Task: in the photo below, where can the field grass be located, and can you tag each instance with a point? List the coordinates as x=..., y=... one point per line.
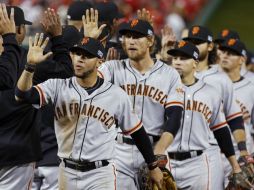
x=236, y=15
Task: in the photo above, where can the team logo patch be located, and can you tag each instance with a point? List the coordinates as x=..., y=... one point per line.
x=134, y=23
x=99, y=53
x=150, y=32
x=224, y=33
x=84, y=40
x=181, y=44
x=195, y=30
x=179, y=90
x=231, y=42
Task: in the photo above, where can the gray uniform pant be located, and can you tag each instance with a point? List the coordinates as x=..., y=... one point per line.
x=17, y=177
x=200, y=172
x=103, y=178
x=45, y=178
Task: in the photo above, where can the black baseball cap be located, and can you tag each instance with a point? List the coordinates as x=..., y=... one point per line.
x=91, y=46
x=234, y=45
x=19, y=16
x=185, y=48
x=226, y=34
x=250, y=58
x=107, y=11
x=77, y=9
x=71, y=35
x=200, y=33
x=138, y=26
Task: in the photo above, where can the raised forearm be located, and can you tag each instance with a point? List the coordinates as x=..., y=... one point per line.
x=25, y=81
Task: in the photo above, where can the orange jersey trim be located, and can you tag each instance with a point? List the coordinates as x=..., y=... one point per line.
x=138, y=126
x=234, y=116
x=42, y=97
x=100, y=74
x=221, y=125
x=174, y=104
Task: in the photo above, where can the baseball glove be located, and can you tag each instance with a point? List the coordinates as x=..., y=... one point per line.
x=145, y=182
x=238, y=181
x=246, y=164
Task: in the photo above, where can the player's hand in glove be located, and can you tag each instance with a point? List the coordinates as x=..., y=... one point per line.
x=246, y=164
x=238, y=181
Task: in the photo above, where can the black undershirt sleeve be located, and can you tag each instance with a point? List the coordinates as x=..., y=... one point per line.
x=144, y=145
x=173, y=119
x=224, y=140
x=236, y=123
x=30, y=96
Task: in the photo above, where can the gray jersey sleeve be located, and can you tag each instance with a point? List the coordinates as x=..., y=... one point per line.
x=231, y=108
x=176, y=92
x=105, y=71
x=47, y=91
x=218, y=119
x=126, y=117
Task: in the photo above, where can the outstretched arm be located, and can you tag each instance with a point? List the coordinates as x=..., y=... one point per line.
x=34, y=56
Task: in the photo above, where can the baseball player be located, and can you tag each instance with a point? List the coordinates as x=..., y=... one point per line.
x=46, y=170
x=250, y=61
x=224, y=35
x=153, y=88
x=232, y=57
x=19, y=142
x=189, y=160
x=9, y=50
x=203, y=39
x=86, y=115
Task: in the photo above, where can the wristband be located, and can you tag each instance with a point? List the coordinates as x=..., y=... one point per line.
x=241, y=146
x=30, y=68
x=153, y=165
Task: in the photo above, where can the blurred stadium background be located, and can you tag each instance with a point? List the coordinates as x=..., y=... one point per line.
x=215, y=14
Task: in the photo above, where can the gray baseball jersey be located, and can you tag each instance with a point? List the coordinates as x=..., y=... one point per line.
x=247, y=74
x=150, y=94
x=203, y=113
x=86, y=124
x=224, y=88
x=244, y=91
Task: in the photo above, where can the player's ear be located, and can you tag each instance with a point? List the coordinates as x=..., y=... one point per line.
x=242, y=60
x=195, y=64
x=99, y=62
x=210, y=46
x=150, y=41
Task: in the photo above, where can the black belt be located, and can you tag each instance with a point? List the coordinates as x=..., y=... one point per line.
x=130, y=141
x=184, y=155
x=84, y=166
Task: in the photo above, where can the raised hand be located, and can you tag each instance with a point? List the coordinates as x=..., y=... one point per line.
x=145, y=15
x=35, y=52
x=90, y=24
x=7, y=24
x=51, y=22
x=168, y=37
x=112, y=54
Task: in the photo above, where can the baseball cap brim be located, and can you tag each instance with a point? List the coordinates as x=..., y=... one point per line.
x=125, y=30
x=27, y=22
x=180, y=52
x=194, y=38
x=82, y=48
x=223, y=47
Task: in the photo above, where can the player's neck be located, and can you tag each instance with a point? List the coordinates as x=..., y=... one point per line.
x=88, y=81
x=143, y=65
x=188, y=79
x=234, y=75
x=203, y=65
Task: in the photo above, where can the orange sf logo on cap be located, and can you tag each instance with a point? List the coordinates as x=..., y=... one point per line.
x=231, y=42
x=85, y=40
x=224, y=33
x=134, y=22
x=195, y=30
x=181, y=44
